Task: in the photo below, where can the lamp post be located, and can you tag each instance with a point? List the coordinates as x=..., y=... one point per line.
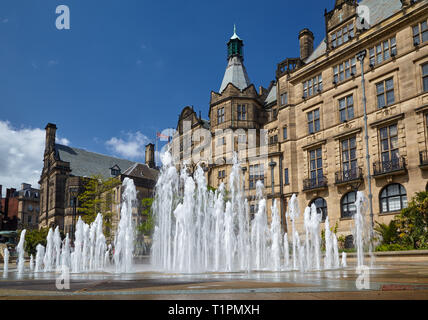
x=361, y=56
x=74, y=192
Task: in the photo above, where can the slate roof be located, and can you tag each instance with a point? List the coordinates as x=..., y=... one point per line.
x=271, y=96
x=84, y=163
x=379, y=10
x=141, y=171
x=235, y=74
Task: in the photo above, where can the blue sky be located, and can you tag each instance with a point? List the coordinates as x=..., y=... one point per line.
x=127, y=68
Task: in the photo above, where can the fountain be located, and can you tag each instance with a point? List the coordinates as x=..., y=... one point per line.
x=31, y=263
x=360, y=230
x=199, y=230
x=124, y=241
x=21, y=251
x=6, y=262
x=39, y=258
x=209, y=231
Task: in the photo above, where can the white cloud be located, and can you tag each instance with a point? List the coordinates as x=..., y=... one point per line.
x=63, y=141
x=21, y=155
x=132, y=147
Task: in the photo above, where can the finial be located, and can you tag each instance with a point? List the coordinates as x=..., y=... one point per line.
x=234, y=28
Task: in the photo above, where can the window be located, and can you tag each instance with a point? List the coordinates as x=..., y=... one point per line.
x=221, y=141
x=389, y=144
x=284, y=133
x=220, y=115
x=312, y=86
x=420, y=33
x=343, y=35
x=349, y=156
x=315, y=164
x=256, y=173
x=242, y=112
x=385, y=93
x=346, y=108
x=115, y=172
x=393, y=198
x=253, y=210
x=348, y=208
x=273, y=139
x=286, y=177
x=345, y=70
x=314, y=121
x=284, y=99
x=242, y=138
x=383, y=51
x=274, y=113
x=321, y=205
x=425, y=77
x=221, y=174
x=29, y=219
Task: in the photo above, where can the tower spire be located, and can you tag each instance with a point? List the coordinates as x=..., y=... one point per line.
x=235, y=71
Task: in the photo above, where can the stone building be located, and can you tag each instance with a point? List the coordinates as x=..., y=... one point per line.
x=313, y=114
x=65, y=171
x=28, y=207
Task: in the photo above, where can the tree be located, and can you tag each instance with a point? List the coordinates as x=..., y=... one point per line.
x=97, y=197
x=412, y=222
x=33, y=238
x=147, y=226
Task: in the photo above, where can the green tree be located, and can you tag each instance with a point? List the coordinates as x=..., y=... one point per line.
x=97, y=197
x=147, y=226
x=412, y=222
x=33, y=238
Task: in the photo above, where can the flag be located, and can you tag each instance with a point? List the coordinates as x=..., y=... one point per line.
x=162, y=137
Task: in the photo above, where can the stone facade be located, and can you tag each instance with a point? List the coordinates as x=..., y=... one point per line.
x=314, y=115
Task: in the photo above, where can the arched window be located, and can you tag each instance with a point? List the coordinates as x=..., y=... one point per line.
x=393, y=198
x=321, y=205
x=347, y=205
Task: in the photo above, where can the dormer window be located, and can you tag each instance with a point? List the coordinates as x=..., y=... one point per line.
x=115, y=171
x=342, y=35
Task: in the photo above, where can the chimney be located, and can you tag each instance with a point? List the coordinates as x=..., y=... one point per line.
x=306, y=38
x=150, y=155
x=25, y=186
x=50, y=137
x=1, y=191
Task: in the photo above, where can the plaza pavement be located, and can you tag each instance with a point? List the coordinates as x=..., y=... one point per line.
x=406, y=280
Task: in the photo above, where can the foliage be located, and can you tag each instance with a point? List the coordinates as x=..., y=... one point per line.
x=211, y=189
x=387, y=232
x=393, y=247
x=341, y=241
x=412, y=222
x=33, y=238
x=147, y=226
x=97, y=197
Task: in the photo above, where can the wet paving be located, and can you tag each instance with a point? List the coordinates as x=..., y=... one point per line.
x=387, y=280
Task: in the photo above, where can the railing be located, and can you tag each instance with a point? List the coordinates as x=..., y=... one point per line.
x=349, y=175
x=382, y=167
x=315, y=183
x=423, y=156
